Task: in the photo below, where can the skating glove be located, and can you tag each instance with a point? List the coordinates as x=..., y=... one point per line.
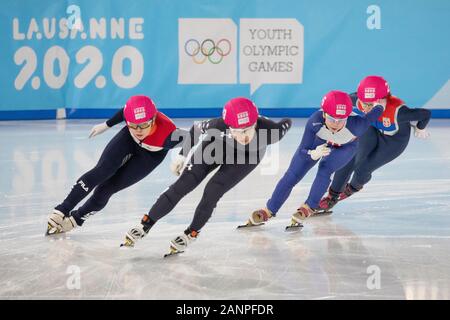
x=98, y=128
x=421, y=133
x=177, y=164
x=319, y=152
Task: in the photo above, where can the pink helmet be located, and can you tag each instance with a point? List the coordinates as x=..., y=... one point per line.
x=337, y=104
x=240, y=113
x=372, y=88
x=139, y=109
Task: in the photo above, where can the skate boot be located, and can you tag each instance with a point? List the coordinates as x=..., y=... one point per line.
x=302, y=213
x=54, y=221
x=59, y=223
x=258, y=218
x=138, y=232
x=328, y=202
x=180, y=243
x=348, y=191
x=298, y=217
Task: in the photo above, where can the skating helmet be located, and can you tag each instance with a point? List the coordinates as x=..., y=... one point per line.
x=240, y=113
x=372, y=88
x=337, y=104
x=139, y=109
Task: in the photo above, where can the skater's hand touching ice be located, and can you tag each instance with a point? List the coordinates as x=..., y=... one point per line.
x=421, y=133
x=98, y=129
x=319, y=152
x=177, y=164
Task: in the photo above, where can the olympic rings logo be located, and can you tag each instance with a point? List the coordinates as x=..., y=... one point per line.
x=207, y=50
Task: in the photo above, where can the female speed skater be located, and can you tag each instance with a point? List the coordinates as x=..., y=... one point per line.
x=330, y=139
x=238, y=142
x=130, y=156
x=384, y=141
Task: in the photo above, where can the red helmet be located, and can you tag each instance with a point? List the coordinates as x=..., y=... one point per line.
x=337, y=104
x=240, y=113
x=139, y=109
x=372, y=88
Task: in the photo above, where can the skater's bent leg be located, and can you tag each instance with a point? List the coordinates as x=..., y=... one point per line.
x=96, y=202
x=386, y=151
x=187, y=182
x=136, y=169
x=366, y=144
x=300, y=165
x=337, y=159
x=342, y=176
x=117, y=152
x=223, y=180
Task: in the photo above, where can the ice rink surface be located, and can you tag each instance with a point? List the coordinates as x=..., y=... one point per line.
x=390, y=241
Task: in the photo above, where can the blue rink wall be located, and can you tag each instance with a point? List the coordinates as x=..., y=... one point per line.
x=83, y=59
x=173, y=113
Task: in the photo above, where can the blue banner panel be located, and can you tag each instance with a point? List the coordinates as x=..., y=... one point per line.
x=194, y=56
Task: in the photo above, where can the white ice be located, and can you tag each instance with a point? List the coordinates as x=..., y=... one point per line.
x=390, y=241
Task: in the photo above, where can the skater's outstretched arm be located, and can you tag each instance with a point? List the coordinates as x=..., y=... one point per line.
x=275, y=130
x=102, y=127
x=406, y=114
x=116, y=118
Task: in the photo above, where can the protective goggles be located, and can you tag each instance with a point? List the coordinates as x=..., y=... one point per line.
x=143, y=125
x=334, y=120
x=242, y=131
x=367, y=104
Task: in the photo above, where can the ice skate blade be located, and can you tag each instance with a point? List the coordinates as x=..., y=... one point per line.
x=51, y=230
x=127, y=244
x=249, y=225
x=124, y=245
x=173, y=252
x=322, y=213
x=294, y=227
